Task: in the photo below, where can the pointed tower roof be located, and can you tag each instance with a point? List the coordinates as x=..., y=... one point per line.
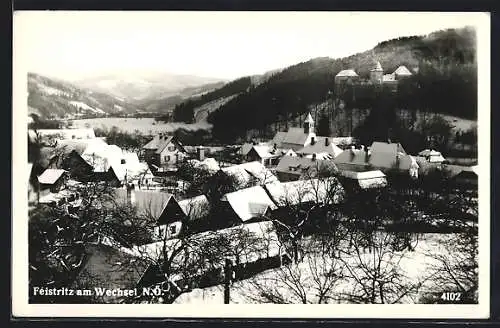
x=377, y=67
x=309, y=119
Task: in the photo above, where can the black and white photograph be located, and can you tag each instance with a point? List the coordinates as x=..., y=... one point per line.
x=205, y=163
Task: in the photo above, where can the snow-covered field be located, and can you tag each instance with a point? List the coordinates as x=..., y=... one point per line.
x=145, y=125
x=415, y=266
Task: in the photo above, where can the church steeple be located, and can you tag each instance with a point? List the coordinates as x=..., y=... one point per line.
x=309, y=124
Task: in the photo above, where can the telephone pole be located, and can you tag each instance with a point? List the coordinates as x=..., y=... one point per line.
x=228, y=275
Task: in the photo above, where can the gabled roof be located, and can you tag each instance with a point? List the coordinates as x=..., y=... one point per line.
x=387, y=148
x=150, y=203
x=402, y=70
x=278, y=138
x=380, y=155
x=246, y=172
x=346, y=72
x=320, y=147
x=367, y=179
x=160, y=141
x=266, y=151
x=50, y=176
x=296, y=136
x=250, y=202
x=195, y=207
x=302, y=165
x=328, y=190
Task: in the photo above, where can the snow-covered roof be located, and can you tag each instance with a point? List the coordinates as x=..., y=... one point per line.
x=367, y=179
x=278, y=138
x=432, y=156
x=380, y=155
x=246, y=172
x=303, y=165
x=402, y=70
x=195, y=207
x=250, y=202
x=326, y=190
x=321, y=145
x=346, y=72
x=388, y=77
x=150, y=203
x=208, y=163
x=50, y=176
x=266, y=151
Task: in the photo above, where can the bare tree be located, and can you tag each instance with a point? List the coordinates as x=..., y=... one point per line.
x=376, y=275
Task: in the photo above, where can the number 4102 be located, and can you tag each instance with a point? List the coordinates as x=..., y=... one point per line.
x=450, y=296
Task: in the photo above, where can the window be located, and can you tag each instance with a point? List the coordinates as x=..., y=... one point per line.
x=166, y=158
x=173, y=229
x=122, y=161
x=171, y=148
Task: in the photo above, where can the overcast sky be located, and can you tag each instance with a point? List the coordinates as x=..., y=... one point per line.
x=226, y=45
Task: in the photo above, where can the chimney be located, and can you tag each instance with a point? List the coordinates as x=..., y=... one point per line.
x=327, y=141
x=200, y=152
x=313, y=141
x=130, y=194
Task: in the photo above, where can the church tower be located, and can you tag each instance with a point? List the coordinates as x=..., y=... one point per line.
x=309, y=124
x=376, y=73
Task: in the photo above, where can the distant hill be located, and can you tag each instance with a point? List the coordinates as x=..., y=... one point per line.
x=53, y=98
x=144, y=85
x=444, y=81
x=166, y=104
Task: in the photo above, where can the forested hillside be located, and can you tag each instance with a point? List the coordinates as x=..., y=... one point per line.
x=51, y=98
x=444, y=81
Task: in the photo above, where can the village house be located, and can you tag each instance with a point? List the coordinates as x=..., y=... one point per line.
x=164, y=151
x=248, y=174
x=247, y=205
x=296, y=138
x=52, y=179
x=159, y=207
x=306, y=192
x=291, y=168
x=355, y=181
x=387, y=157
x=321, y=146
